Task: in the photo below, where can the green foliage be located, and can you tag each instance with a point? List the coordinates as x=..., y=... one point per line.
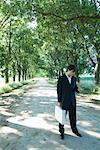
x=66, y=32
x=41, y=73
x=16, y=85
x=18, y=49
x=69, y=32
x=24, y=82
x=89, y=88
x=8, y=88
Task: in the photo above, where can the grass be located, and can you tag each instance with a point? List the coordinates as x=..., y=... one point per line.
x=6, y=89
x=89, y=88
x=12, y=86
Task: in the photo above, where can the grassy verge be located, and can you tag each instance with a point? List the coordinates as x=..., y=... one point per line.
x=52, y=81
x=87, y=88
x=13, y=86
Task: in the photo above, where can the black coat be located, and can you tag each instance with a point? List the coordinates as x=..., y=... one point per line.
x=66, y=91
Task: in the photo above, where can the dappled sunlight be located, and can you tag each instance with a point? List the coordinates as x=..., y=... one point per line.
x=41, y=121
x=87, y=105
x=5, y=113
x=31, y=148
x=29, y=122
x=8, y=105
x=84, y=123
x=45, y=103
x=93, y=133
x=32, y=122
x=44, y=92
x=8, y=130
x=47, y=117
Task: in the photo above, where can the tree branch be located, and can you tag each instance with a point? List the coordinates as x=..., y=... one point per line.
x=86, y=48
x=83, y=17
x=3, y=21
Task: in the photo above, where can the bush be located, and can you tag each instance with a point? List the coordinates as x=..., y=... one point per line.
x=24, y=82
x=6, y=89
x=14, y=85
x=19, y=84
x=87, y=88
x=2, y=91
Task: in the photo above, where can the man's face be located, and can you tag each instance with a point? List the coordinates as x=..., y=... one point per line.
x=71, y=72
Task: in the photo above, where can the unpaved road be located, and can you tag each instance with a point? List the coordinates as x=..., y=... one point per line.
x=27, y=122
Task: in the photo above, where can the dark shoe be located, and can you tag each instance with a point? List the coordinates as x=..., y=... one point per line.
x=61, y=128
x=77, y=133
x=62, y=136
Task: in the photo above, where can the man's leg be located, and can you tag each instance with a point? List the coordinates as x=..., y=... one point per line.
x=61, y=130
x=72, y=117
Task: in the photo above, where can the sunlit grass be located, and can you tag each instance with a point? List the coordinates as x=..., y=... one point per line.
x=12, y=86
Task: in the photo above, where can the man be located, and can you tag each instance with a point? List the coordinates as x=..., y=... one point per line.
x=66, y=88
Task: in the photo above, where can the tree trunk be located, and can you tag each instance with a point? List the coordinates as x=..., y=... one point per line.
x=29, y=76
x=97, y=72
x=6, y=74
x=8, y=59
x=14, y=78
x=25, y=74
x=77, y=75
x=14, y=72
x=19, y=73
x=62, y=72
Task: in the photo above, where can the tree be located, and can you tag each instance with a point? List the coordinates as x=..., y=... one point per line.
x=17, y=40
x=68, y=17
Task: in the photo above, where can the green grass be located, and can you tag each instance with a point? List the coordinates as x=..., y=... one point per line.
x=6, y=89
x=89, y=88
x=12, y=86
x=16, y=85
x=87, y=85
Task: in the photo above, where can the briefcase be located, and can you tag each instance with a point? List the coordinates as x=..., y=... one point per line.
x=60, y=114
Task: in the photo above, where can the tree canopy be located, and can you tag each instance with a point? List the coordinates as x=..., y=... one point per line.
x=66, y=31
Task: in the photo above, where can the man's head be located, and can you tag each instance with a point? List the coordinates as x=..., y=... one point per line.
x=71, y=70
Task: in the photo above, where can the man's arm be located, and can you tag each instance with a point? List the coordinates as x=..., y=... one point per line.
x=76, y=87
x=59, y=90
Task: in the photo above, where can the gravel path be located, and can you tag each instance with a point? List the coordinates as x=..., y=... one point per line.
x=27, y=122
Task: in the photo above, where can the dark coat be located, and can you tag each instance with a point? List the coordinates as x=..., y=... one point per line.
x=66, y=91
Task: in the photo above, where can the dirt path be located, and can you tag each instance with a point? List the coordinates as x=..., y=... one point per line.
x=27, y=122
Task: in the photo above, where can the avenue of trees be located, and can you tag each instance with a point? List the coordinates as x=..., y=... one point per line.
x=66, y=31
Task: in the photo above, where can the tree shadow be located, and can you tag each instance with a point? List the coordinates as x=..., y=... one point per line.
x=15, y=136
x=33, y=124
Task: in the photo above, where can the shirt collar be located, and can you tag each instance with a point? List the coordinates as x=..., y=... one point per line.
x=68, y=76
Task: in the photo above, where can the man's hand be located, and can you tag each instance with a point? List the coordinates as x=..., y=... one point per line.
x=78, y=90
x=59, y=104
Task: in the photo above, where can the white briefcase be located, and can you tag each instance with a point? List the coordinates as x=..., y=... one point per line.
x=60, y=114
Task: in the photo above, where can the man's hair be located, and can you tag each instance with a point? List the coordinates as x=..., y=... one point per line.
x=71, y=67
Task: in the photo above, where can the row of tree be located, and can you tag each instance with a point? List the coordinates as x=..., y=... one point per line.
x=70, y=31
x=67, y=32
x=18, y=48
